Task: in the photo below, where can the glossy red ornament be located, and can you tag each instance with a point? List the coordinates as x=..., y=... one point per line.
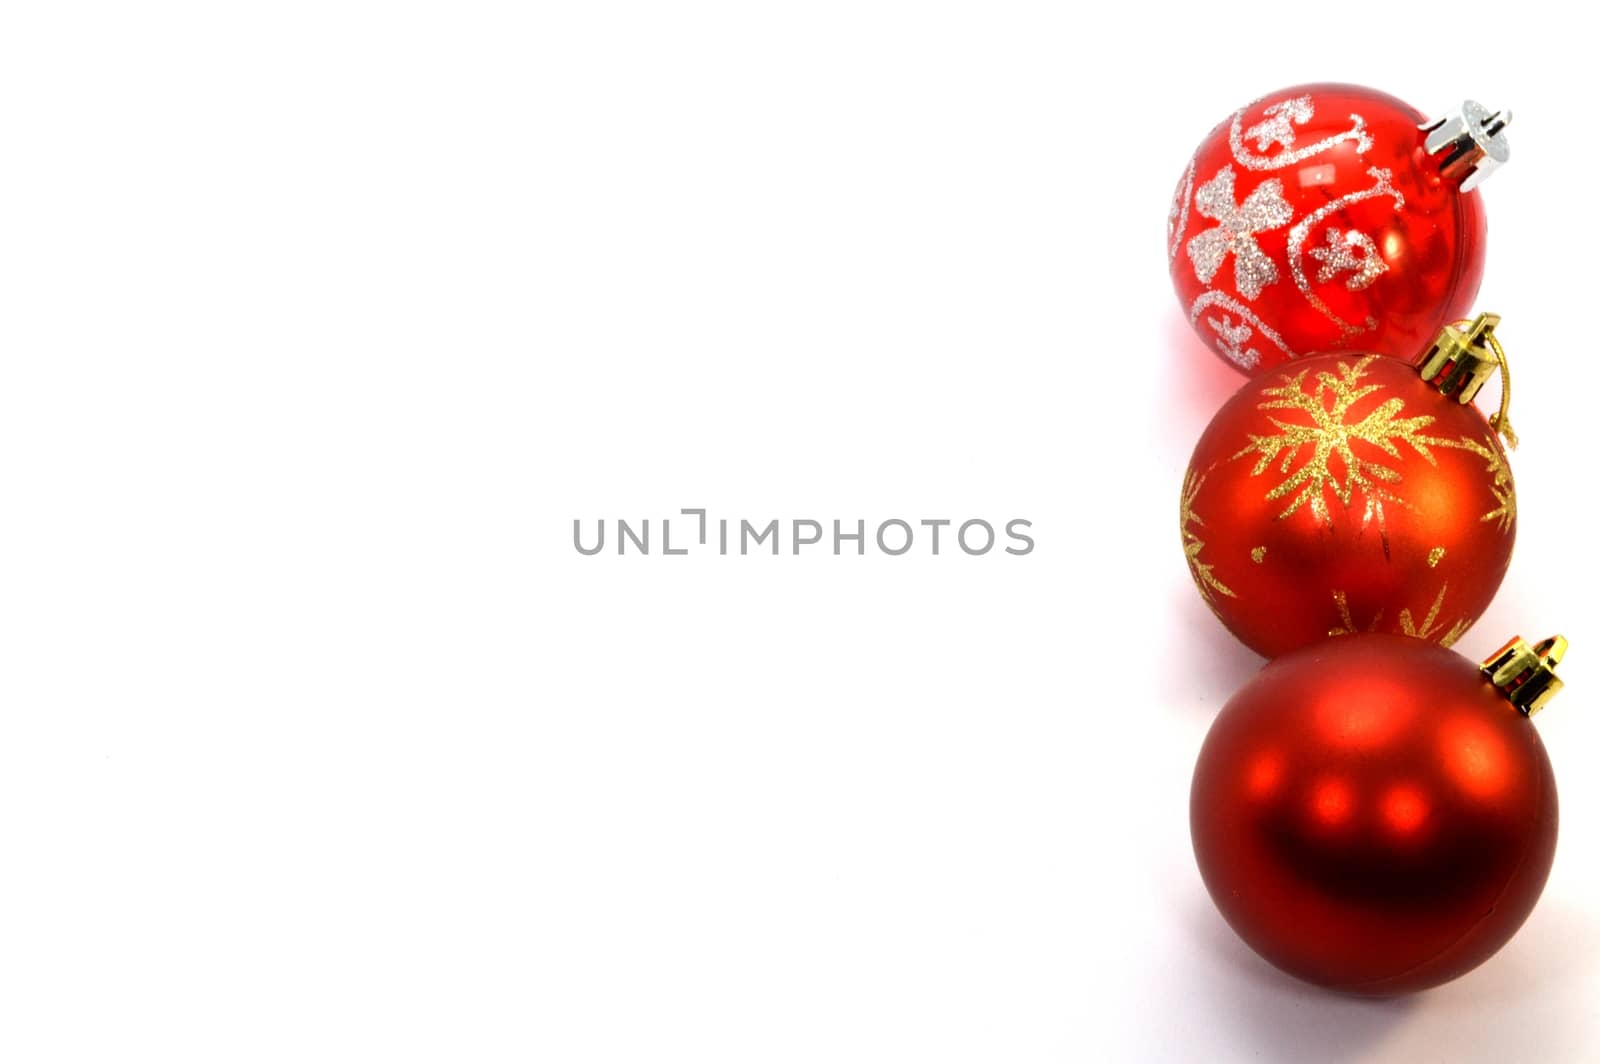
x=1317, y=219
x=1344, y=494
x=1371, y=814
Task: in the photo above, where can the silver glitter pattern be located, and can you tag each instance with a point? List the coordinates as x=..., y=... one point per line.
x=1297, y=240
x=1262, y=210
x=1349, y=252
x=1233, y=344
x=1178, y=213
x=1278, y=128
x=1232, y=337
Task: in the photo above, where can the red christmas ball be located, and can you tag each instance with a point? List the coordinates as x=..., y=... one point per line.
x=1371, y=814
x=1323, y=218
x=1347, y=495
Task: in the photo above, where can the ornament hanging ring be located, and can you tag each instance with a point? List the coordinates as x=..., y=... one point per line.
x=1502, y=420
x=1479, y=332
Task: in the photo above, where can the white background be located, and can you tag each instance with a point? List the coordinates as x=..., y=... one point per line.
x=323, y=321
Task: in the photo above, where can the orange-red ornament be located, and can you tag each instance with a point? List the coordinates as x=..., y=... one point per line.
x=1331, y=218
x=1377, y=815
x=1350, y=493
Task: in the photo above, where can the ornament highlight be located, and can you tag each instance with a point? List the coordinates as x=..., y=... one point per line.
x=1376, y=814
x=1353, y=493
x=1328, y=218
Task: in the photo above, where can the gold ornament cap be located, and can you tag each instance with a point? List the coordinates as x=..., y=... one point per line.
x=1525, y=674
x=1461, y=360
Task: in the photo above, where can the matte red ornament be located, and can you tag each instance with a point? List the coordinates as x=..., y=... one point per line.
x=1326, y=218
x=1373, y=815
x=1346, y=494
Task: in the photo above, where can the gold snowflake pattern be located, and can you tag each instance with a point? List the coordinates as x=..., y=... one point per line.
x=1326, y=403
x=1500, y=485
x=1429, y=627
x=1204, y=578
x=1329, y=435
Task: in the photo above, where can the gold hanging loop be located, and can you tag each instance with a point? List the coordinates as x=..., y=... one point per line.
x=1466, y=354
x=1502, y=420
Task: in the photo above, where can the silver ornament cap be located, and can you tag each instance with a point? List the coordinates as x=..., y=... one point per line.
x=1470, y=143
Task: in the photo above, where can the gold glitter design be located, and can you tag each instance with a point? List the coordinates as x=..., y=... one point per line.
x=1501, y=487
x=1329, y=435
x=1408, y=625
x=1434, y=557
x=1426, y=629
x=1347, y=624
x=1326, y=404
x=1258, y=555
x=1208, y=584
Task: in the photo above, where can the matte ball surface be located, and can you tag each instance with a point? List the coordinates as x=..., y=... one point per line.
x=1314, y=220
x=1372, y=816
x=1345, y=494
